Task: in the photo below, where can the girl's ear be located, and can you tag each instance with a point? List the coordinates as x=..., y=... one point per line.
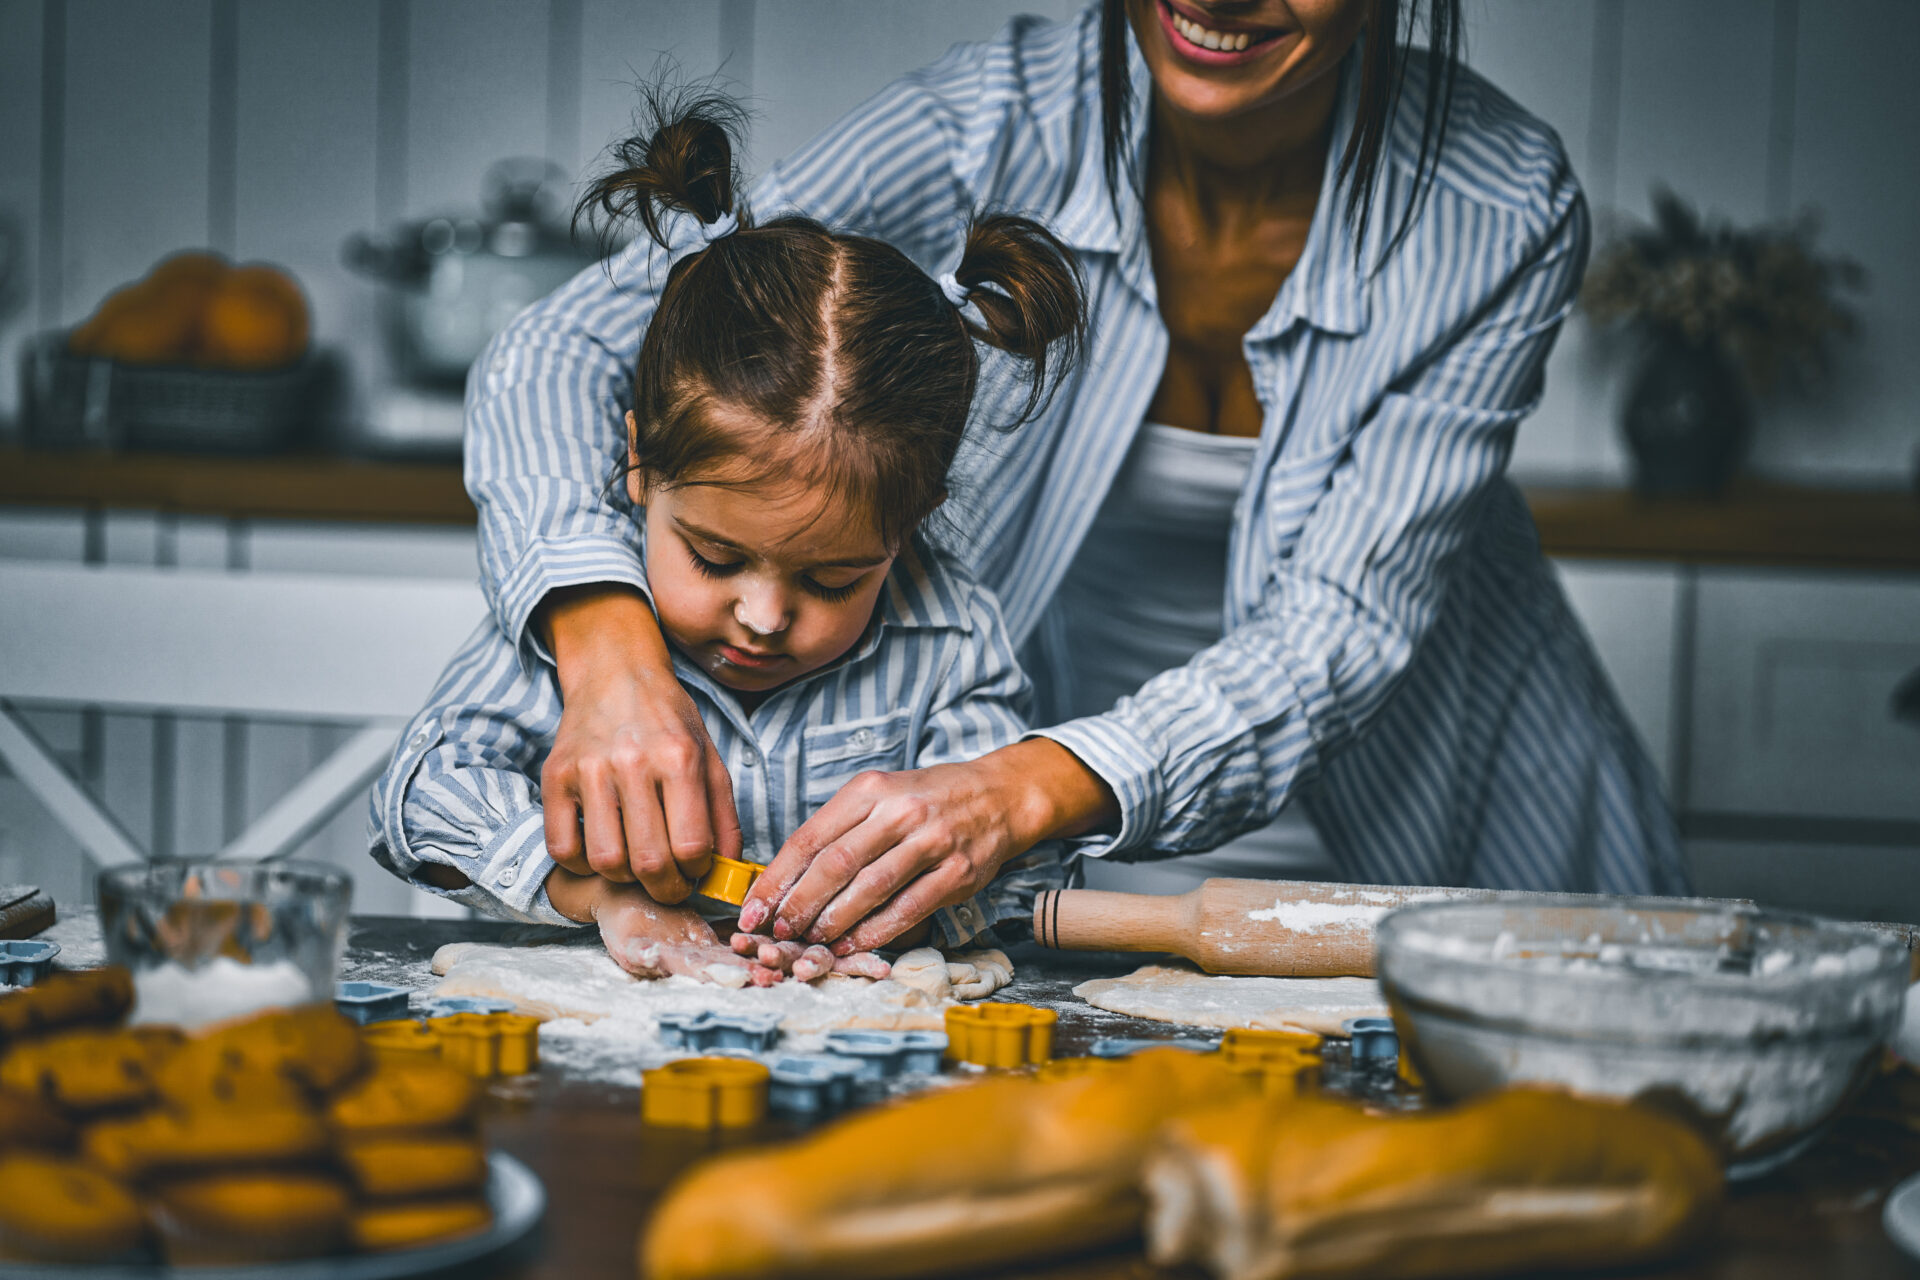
x=636, y=484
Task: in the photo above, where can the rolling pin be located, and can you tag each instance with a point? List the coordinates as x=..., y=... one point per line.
x=1278, y=928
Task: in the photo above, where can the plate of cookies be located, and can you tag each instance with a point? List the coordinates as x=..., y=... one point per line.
x=280, y=1146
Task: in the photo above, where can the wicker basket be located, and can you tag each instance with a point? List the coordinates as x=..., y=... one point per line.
x=80, y=401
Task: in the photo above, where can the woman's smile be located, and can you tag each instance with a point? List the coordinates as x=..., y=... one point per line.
x=1212, y=41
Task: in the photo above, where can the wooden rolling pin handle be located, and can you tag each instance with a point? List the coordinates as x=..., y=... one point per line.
x=1090, y=920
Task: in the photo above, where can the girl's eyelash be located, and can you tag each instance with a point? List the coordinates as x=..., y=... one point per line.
x=711, y=568
x=832, y=595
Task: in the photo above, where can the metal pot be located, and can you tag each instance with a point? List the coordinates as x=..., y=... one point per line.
x=455, y=281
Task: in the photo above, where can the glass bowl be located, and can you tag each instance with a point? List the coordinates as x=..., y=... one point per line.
x=1759, y=1024
x=208, y=941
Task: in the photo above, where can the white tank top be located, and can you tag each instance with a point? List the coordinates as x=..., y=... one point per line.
x=1147, y=592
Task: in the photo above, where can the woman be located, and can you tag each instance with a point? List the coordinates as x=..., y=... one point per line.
x=1291, y=230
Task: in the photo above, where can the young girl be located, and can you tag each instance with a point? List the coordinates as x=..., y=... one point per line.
x=798, y=399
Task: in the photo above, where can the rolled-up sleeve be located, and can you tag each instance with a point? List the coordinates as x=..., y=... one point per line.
x=1209, y=750
x=460, y=791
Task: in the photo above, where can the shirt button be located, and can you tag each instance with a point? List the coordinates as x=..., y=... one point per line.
x=748, y=762
x=863, y=738
x=419, y=739
x=506, y=878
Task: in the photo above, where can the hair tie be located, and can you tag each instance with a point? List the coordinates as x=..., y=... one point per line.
x=724, y=225
x=951, y=286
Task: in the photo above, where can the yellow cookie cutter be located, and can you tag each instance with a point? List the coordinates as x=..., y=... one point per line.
x=1000, y=1035
x=401, y=1041
x=485, y=1045
x=1287, y=1063
x=704, y=1093
x=729, y=880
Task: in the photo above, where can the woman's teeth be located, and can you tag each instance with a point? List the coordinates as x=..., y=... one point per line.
x=1225, y=41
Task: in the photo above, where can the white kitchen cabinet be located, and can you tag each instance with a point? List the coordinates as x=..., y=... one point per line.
x=1793, y=679
x=1852, y=881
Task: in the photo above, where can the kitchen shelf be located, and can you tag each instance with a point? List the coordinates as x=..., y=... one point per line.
x=1758, y=524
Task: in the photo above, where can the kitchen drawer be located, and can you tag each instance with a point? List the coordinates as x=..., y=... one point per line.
x=1854, y=882
x=1794, y=676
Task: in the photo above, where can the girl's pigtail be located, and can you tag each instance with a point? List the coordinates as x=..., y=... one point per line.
x=679, y=158
x=1026, y=287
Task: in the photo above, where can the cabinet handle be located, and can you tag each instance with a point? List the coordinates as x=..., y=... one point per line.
x=1906, y=699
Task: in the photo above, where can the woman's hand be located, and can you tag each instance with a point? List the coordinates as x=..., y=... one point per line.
x=891, y=848
x=646, y=938
x=633, y=788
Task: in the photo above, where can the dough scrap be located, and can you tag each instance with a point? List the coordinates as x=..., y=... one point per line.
x=1168, y=993
x=975, y=975
x=925, y=970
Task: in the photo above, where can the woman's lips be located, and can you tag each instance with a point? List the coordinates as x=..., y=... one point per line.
x=1191, y=38
x=749, y=661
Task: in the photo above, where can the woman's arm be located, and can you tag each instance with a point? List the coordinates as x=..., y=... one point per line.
x=964, y=839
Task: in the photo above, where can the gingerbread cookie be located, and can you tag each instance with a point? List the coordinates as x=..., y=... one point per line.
x=193, y=1140
x=86, y=1071
x=402, y=1096
x=207, y=1073
x=66, y=999
x=233, y=1218
x=410, y=1166
x=55, y=1209
x=420, y=1222
x=31, y=1122
x=314, y=1044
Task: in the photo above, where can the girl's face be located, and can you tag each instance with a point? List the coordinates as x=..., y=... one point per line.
x=759, y=585
x=1267, y=49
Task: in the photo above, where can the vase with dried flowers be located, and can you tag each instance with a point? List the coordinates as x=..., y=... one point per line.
x=1715, y=316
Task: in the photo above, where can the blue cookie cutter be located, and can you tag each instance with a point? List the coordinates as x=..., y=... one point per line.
x=1374, y=1040
x=707, y=1030
x=447, y=1006
x=1125, y=1046
x=366, y=1002
x=23, y=963
x=881, y=1055
x=810, y=1084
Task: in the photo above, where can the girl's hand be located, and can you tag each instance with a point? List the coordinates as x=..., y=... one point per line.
x=644, y=937
x=891, y=848
x=773, y=961
x=633, y=789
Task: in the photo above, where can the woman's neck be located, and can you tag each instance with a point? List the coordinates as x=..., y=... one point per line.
x=1245, y=168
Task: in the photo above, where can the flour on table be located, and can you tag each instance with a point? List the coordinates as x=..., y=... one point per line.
x=1168, y=994
x=603, y=1023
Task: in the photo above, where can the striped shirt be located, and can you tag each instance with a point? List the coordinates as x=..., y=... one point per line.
x=934, y=679
x=1396, y=654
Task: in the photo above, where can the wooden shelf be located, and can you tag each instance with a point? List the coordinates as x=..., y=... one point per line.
x=1758, y=524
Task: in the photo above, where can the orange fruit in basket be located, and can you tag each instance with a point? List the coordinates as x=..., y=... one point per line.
x=256, y=319
x=155, y=320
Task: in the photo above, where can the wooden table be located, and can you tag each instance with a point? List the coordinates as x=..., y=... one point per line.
x=1819, y=1218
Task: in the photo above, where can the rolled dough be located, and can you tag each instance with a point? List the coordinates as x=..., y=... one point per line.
x=1167, y=993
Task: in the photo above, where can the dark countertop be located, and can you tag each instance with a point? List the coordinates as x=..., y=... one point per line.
x=1757, y=524
x=1818, y=1218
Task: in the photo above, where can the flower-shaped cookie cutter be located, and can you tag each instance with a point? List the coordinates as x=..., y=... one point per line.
x=707, y=1030
x=881, y=1055
x=1000, y=1035
x=810, y=1084
x=366, y=1002
x=705, y=1093
x=485, y=1045
x=729, y=880
x=1127, y=1046
x=24, y=961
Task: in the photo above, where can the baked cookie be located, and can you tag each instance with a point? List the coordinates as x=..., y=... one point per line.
x=206, y=1073
x=185, y=1141
x=421, y=1222
x=402, y=1096
x=231, y=1218
x=31, y=1122
x=65, y=999
x=415, y=1165
x=56, y=1209
x=86, y=1071
x=314, y=1044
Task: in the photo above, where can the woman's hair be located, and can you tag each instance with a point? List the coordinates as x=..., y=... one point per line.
x=785, y=350
x=1383, y=69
